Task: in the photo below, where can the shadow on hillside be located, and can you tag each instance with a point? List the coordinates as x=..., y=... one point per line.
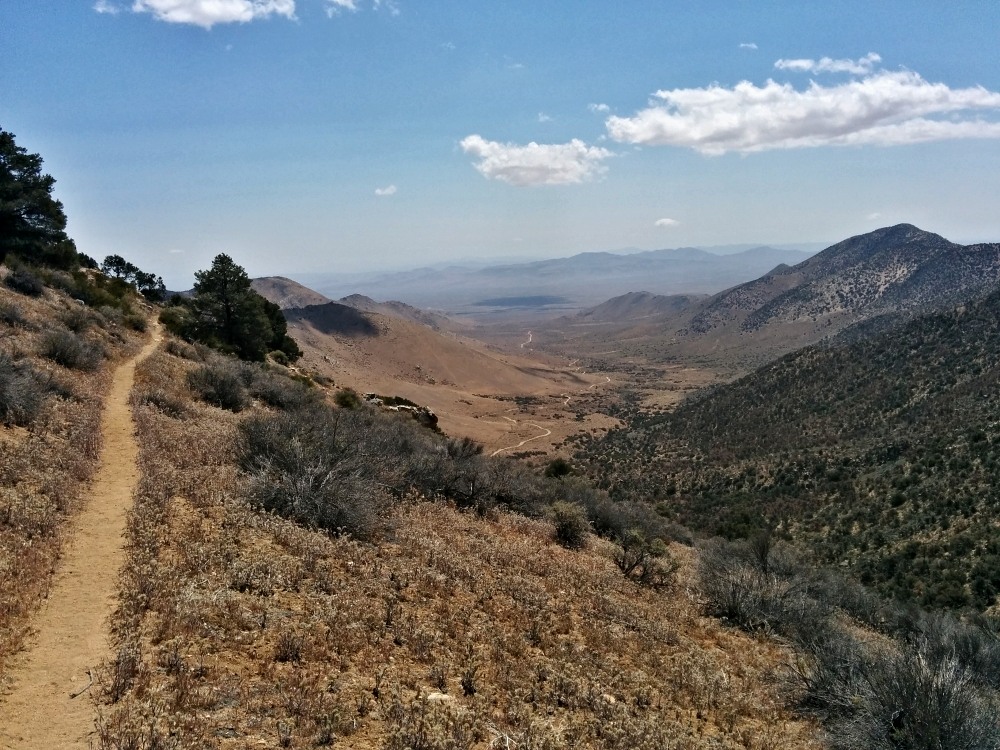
x=334, y=318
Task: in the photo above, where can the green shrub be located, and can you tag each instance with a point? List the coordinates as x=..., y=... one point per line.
x=347, y=398
x=571, y=525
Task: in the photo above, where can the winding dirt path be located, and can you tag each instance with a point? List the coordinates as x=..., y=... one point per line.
x=41, y=712
x=545, y=433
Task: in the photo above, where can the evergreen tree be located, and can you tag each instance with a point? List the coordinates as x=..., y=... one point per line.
x=32, y=222
x=231, y=316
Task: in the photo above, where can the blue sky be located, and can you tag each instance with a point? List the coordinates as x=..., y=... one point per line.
x=348, y=135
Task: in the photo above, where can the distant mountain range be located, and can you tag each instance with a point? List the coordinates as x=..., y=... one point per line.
x=870, y=282
x=582, y=280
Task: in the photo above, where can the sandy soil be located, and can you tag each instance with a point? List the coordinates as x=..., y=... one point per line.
x=49, y=705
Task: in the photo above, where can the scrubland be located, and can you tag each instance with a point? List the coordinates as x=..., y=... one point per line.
x=450, y=629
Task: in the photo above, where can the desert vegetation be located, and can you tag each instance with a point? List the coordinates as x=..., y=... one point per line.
x=879, y=454
x=460, y=624
x=879, y=674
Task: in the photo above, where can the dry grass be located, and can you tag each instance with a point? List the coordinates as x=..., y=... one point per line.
x=237, y=629
x=47, y=451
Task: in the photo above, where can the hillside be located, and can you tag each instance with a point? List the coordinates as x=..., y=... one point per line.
x=302, y=574
x=882, y=455
x=402, y=310
x=637, y=305
x=286, y=293
x=238, y=627
x=496, y=397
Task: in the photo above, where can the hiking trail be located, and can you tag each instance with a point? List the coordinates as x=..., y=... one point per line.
x=49, y=703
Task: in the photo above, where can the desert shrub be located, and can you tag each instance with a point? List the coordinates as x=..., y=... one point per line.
x=77, y=318
x=221, y=384
x=558, y=467
x=571, y=525
x=178, y=319
x=645, y=561
x=136, y=321
x=12, y=315
x=304, y=465
x=167, y=403
x=281, y=392
x=905, y=701
x=70, y=350
x=24, y=281
x=279, y=358
x=347, y=398
x=182, y=350
x=22, y=392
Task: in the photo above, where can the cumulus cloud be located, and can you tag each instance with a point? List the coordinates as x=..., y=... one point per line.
x=885, y=109
x=748, y=45
x=599, y=108
x=666, y=222
x=542, y=117
x=105, y=6
x=207, y=13
x=389, y=190
x=535, y=163
x=827, y=65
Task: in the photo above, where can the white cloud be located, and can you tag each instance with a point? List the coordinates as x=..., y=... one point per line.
x=827, y=65
x=886, y=108
x=536, y=164
x=334, y=7
x=390, y=5
x=207, y=13
x=105, y=6
x=599, y=108
x=389, y=190
x=748, y=45
x=666, y=222
x=542, y=117
x=874, y=215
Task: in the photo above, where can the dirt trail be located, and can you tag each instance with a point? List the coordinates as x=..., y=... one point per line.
x=71, y=634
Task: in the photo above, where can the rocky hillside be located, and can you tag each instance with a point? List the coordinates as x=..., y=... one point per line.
x=900, y=268
x=882, y=456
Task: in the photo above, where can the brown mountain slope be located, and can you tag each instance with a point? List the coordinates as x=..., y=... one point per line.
x=470, y=386
x=402, y=310
x=286, y=293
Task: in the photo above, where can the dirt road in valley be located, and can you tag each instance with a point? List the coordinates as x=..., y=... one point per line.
x=47, y=704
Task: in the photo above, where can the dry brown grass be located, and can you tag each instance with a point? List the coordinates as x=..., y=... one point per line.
x=46, y=461
x=238, y=629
